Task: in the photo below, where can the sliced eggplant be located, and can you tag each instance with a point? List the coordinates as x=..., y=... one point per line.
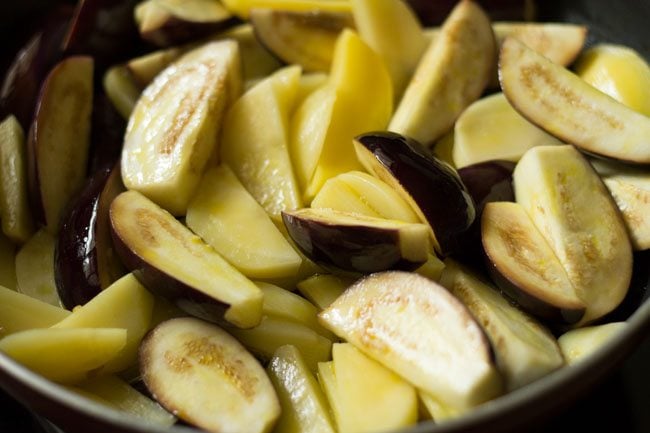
x=491, y=129
x=488, y=181
x=174, y=127
x=19, y=92
x=15, y=213
x=170, y=22
x=59, y=139
x=525, y=351
x=432, y=188
x=199, y=372
x=416, y=328
x=576, y=215
x=357, y=243
x=567, y=107
x=453, y=72
x=175, y=263
x=631, y=190
x=85, y=261
x=524, y=265
x=302, y=38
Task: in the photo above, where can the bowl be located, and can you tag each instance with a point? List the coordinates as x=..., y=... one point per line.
x=616, y=22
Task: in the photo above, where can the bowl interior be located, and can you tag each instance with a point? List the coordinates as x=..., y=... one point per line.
x=615, y=22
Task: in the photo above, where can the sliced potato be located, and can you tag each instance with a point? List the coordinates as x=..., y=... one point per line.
x=35, y=268
x=64, y=355
x=20, y=312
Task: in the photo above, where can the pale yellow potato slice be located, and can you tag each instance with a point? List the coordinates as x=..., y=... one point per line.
x=401, y=50
x=242, y=8
x=64, y=355
x=255, y=141
x=328, y=120
x=491, y=129
x=436, y=410
x=578, y=344
x=371, y=397
x=227, y=217
x=274, y=332
x=304, y=407
x=567, y=107
x=20, y=312
x=121, y=89
x=124, y=304
x=576, y=215
x=114, y=392
x=452, y=74
x=15, y=213
x=35, y=268
x=361, y=193
x=618, y=71
x=174, y=127
x=323, y=289
x=283, y=304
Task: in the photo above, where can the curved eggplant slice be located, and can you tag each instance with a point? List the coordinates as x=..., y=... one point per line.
x=173, y=262
x=525, y=351
x=303, y=38
x=567, y=107
x=576, y=215
x=205, y=376
x=523, y=264
x=416, y=328
x=430, y=186
x=355, y=242
x=84, y=258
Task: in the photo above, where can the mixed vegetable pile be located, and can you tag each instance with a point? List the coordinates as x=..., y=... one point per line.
x=315, y=215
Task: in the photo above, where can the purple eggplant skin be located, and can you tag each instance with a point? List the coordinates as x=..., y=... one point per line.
x=21, y=83
x=105, y=30
x=355, y=249
x=84, y=259
x=432, y=184
x=489, y=181
x=555, y=318
x=185, y=297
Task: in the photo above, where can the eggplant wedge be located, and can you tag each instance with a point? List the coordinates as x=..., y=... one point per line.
x=173, y=262
x=576, y=215
x=567, y=107
x=432, y=188
x=357, y=243
x=416, y=328
x=524, y=265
